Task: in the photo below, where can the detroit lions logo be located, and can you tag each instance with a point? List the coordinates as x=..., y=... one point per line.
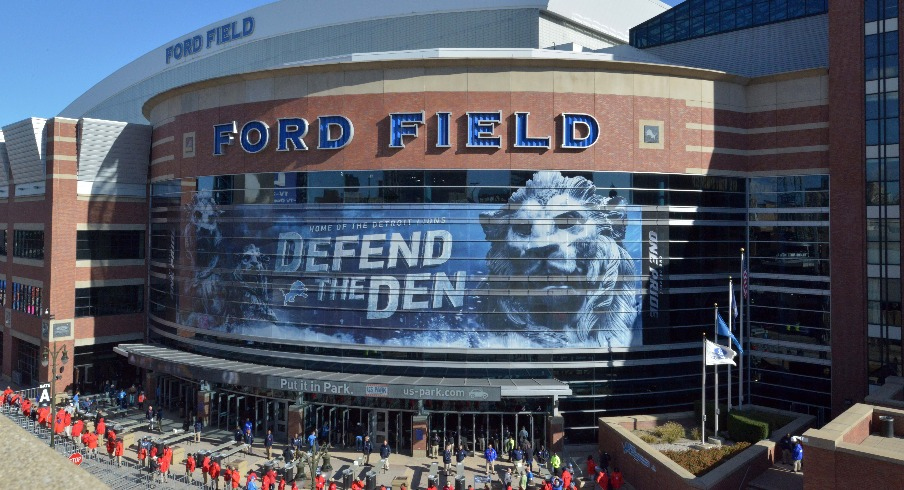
x=295, y=290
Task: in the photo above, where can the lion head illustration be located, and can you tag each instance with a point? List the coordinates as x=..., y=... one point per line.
x=558, y=270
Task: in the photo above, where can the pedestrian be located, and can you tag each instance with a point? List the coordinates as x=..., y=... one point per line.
x=159, y=415
x=268, y=443
x=447, y=459
x=557, y=483
x=227, y=476
x=555, y=462
x=198, y=426
x=507, y=478
x=205, y=468
x=236, y=478
x=785, y=444
x=522, y=481
x=566, y=478
x=119, y=451
x=490, y=455
x=605, y=459
x=249, y=442
x=367, y=448
x=142, y=455
x=190, y=467
x=591, y=467
x=509, y=447
x=460, y=455
x=385, y=451
x=798, y=455
x=239, y=434
x=542, y=456
x=149, y=415
x=100, y=427
x=248, y=425
x=616, y=480
x=215, y=474
x=164, y=468
x=312, y=441
x=141, y=399
x=528, y=449
x=518, y=458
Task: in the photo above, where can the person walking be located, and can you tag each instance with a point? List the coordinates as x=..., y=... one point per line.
x=159, y=415
x=141, y=399
x=249, y=442
x=460, y=455
x=268, y=443
x=190, y=467
x=617, y=480
x=797, y=453
x=490, y=455
x=198, y=427
x=385, y=451
x=367, y=447
x=215, y=475
x=149, y=415
x=785, y=444
x=142, y=455
x=447, y=459
x=119, y=451
x=312, y=441
x=555, y=463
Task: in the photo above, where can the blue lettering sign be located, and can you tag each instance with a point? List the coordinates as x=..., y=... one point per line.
x=263, y=136
x=570, y=137
x=291, y=129
x=219, y=35
x=342, y=124
x=223, y=135
x=442, y=129
x=522, y=140
x=403, y=124
x=480, y=129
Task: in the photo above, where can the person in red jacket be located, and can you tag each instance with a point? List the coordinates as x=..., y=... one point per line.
x=205, y=468
x=142, y=455
x=101, y=427
x=332, y=485
x=294, y=486
x=320, y=481
x=358, y=484
x=215, y=475
x=271, y=477
x=153, y=453
x=617, y=479
x=251, y=477
x=282, y=484
x=236, y=478
x=26, y=407
x=227, y=476
x=67, y=424
x=566, y=478
x=119, y=450
x=111, y=447
x=190, y=467
x=92, y=444
x=591, y=467
x=164, y=468
x=77, y=429
x=602, y=479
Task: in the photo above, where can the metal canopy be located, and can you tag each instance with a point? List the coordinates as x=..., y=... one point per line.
x=197, y=366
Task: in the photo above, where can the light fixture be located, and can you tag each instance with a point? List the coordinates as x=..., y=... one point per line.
x=65, y=357
x=45, y=358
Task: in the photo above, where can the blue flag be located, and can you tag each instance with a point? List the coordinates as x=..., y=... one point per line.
x=723, y=330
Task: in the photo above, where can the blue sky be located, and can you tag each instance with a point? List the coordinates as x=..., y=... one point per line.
x=54, y=51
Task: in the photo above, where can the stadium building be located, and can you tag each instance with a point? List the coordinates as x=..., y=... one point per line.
x=471, y=220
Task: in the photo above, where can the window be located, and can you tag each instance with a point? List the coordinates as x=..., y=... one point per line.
x=3, y=244
x=27, y=299
x=29, y=244
x=2, y=293
x=109, y=300
x=109, y=244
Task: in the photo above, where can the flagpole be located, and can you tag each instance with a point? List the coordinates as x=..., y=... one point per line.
x=730, y=315
x=716, y=369
x=741, y=337
x=703, y=394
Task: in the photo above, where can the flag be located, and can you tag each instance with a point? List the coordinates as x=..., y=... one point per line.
x=744, y=278
x=732, y=302
x=715, y=354
x=723, y=330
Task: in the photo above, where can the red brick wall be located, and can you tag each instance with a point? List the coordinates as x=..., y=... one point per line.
x=617, y=148
x=847, y=205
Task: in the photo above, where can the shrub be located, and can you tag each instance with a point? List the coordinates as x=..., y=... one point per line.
x=648, y=438
x=670, y=432
x=700, y=462
x=742, y=427
x=695, y=434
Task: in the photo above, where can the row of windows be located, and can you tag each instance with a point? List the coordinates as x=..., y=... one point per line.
x=29, y=244
x=109, y=244
x=473, y=186
x=698, y=18
x=109, y=300
x=880, y=9
x=26, y=299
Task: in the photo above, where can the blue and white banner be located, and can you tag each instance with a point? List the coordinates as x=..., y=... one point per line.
x=715, y=354
x=557, y=265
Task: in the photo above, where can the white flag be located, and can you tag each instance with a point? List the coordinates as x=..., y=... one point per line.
x=715, y=354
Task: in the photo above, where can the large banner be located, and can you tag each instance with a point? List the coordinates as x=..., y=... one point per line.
x=558, y=265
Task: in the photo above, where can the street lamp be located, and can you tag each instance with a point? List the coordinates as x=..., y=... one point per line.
x=50, y=357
